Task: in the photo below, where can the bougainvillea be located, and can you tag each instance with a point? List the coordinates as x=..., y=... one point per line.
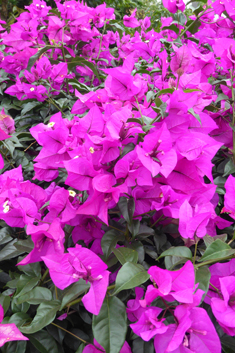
x=117, y=187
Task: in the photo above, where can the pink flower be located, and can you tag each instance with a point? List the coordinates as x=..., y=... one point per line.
x=9, y=332
x=172, y=285
x=174, y=5
x=80, y=263
x=194, y=332
x=131, y=21
x=149, y=325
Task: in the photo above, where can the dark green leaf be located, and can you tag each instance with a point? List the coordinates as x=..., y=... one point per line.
x=202, y=277
x=127, y=208
x=5, y=236
x=26, y=245
x=33, y=269
x=221, y=97
x=43, y=342
x=25, y=284
x=165, y=91
x=141, y=346
x=109, y=241
x=80, y=61
x=81, y=87
x=5, y=301
x=74, y=291
x=126, y=255
x=18, y=319
x=46, y=313
x=14, y=347
x=179, y=251
x=172, y=27
x=217, y=251
x=208, y=240
x=110, y=326
x=229, y=168
x=29, y=106
x=130, y=276
x=10, y=251
x=37, y=295
x=36, y=56
x=134, y=227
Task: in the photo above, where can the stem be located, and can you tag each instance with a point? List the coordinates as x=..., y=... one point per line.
x=167, y=306
x=197, y=19
x=72, y=334
x=217, y=290
x=139, y=110
x=101, y=40
x=64, y=58
x=44, y=276
x=56, y=293
x=195, y=253
x=76, y=301
x=158, y=220
x=96, y=220
x=30, y=146
x=209, y=262
x=55, y=105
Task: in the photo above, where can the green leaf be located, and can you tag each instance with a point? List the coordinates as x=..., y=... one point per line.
x=165, y=91
x=129, y=276
x=150, y=96
x=14, y=347
x=221, y=97
x=197, y=116
x=179, y=251
x=5, y=236
x=134, y=227
x=217, y=251
x=33, y=269
x=74, y=291
x=172, y=27
x=43, y=342
x=25, y=245
x=126, y=255
x=127, y=208
x=46, y=313
x=36, y=56
x=203, y=277
x=190, y=90
x=5, y=301
x=25, y=284
x=110, y=326
x=10, y=251
x=141, y=346
x=36, y=296
x=81, y=87
x=29, y=106
x=80, y=61
x=18, y=319
x=109, y=241
x=229, y=168
x=208, y=240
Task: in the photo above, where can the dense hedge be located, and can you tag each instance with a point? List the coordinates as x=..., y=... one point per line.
x=116, y=189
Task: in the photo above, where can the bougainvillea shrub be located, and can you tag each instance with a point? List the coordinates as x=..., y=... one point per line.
x=116, y=188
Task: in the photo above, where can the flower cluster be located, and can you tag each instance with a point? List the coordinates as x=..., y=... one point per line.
x=192, y=329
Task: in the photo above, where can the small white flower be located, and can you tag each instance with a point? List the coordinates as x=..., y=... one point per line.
x=72, y=193
x=51, y=124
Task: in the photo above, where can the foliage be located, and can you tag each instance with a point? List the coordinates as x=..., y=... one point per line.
x=117, y=179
